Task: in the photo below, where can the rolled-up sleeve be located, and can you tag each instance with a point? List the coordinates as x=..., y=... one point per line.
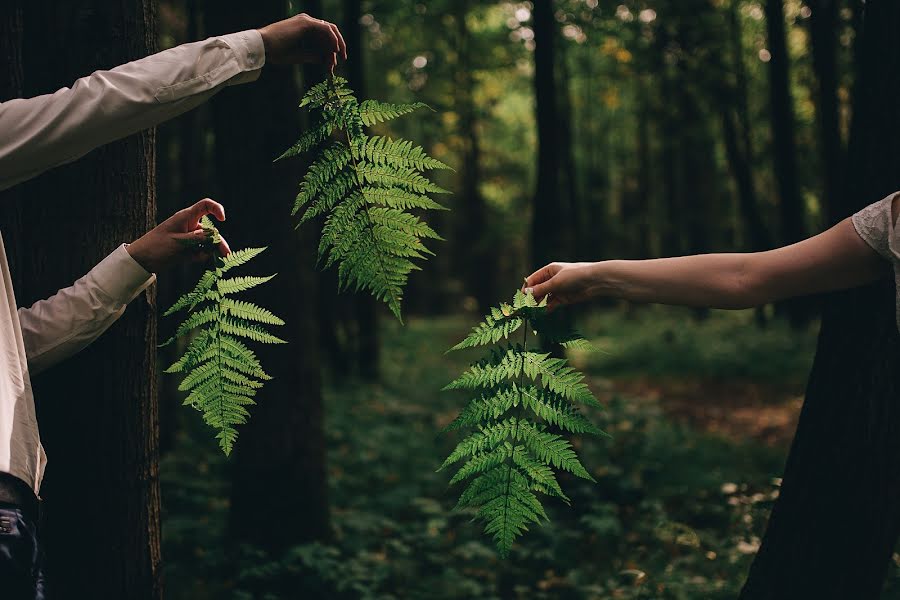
x=39, y=133
x=58, y=327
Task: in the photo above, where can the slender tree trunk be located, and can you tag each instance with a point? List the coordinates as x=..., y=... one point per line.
x=368, y=348
x=784, y=151
x=473, y=243
x=279, y=492
x=835, y=525
x=738, y=144
x=548, y=219
x=784, y=145
x=98, y=411
x=823, y=27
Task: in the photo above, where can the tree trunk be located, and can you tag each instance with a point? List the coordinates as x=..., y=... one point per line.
x=368, y=348
x=98, y=411
x=548, y=220
x=472, y=241
x=279, y=493
x=784, y=151
x=823, y=28
x=834, y=527
x=738, y=144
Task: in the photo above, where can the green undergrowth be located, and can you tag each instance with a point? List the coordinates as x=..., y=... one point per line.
x=675, y=514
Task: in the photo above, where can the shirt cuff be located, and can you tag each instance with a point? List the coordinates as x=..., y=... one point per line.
x=250, y=53
x=121, y=277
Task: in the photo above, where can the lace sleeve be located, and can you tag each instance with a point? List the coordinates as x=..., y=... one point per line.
x=873, y=224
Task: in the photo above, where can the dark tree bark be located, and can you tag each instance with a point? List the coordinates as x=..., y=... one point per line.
x=834, y=527
x=824, y=31
x=548, y=220
x=279, y=493
x=368, y=348
x=98, y=411
x=472, y=241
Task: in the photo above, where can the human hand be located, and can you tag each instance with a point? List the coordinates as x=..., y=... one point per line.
x=303, y=39
x=179, y=238
x=565, y=283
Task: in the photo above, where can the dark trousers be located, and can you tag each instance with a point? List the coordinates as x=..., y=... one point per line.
x=21, y=559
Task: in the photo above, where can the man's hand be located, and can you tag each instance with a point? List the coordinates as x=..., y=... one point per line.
x=565, y=283
x=178, y=238
x=303, y=39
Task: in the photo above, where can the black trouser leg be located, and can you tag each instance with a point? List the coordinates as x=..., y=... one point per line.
x=21, y=559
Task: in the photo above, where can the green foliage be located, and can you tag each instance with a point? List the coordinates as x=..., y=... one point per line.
x=222, y=375
x=365, y=186
x=511, y=456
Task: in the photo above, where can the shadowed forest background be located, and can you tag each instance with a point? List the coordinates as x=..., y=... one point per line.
x=577, y=130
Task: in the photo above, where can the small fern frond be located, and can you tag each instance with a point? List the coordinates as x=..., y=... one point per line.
x=221, y=374
x=373, y=111
x=512, y=455
x=365, y=187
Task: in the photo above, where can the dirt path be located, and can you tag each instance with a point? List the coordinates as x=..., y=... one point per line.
x=737, y=409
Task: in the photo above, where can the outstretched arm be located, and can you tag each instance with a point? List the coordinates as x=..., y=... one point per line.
x=58, y=327
x=833, y=260
x=46, y=131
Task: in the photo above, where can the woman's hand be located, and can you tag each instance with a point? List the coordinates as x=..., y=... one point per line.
x=303, y=39
x=179, y=238
x=565, y=283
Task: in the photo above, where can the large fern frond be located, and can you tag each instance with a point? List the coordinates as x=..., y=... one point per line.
x=221, y=374
x=365, y=187
x=523, y=399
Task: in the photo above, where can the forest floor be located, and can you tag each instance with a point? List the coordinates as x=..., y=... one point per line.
x=701, y=414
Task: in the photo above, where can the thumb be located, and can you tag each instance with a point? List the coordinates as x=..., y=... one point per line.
x=192, y=240
x=540, y=290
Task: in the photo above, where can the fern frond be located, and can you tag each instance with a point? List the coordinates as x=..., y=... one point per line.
x=365, y=185
x=381, y=150
x=222, y=375
x=512, y=456
x=235, y=285
x=373, y=111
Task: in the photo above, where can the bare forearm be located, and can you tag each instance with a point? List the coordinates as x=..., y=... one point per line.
x=708, y=280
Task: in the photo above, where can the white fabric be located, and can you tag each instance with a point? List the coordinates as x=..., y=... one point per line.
x=39, y=133
x=875, y=225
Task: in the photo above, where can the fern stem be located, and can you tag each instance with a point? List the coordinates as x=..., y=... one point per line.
x=518, y=414
x=371, y=224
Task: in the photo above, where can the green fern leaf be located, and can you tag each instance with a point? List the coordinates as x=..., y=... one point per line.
x=365, y=186
x=221, y=374
x=373, y=111
x=512, y=457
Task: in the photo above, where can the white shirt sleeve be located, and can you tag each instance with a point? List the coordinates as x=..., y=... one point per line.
x=40, y=133
x=58, y=327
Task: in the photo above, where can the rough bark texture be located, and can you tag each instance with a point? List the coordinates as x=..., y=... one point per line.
x=839, y=508
x=97, y=411
x=279, y=494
